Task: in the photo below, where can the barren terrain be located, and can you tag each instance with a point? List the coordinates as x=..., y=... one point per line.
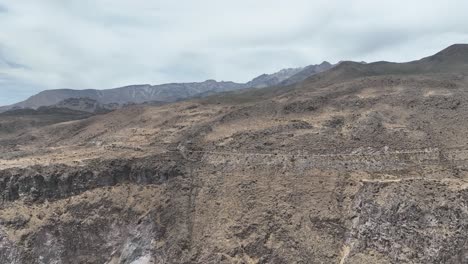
x=358, y=164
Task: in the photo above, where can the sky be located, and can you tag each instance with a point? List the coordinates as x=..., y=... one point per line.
x=81, y=44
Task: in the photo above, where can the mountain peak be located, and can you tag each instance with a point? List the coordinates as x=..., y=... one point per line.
x=325, y=63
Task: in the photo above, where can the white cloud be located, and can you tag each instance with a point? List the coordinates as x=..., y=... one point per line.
x=108, y=43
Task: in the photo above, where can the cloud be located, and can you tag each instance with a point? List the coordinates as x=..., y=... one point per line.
x=108, y=43
x=6, y=63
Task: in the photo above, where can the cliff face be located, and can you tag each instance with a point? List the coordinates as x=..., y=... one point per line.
x=231, y=208
x=117, y=211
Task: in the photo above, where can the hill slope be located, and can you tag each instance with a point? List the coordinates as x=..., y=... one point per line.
x=450, y=60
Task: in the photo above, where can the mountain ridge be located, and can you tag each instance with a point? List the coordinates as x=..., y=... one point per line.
x=453, y=59
x=141, y=93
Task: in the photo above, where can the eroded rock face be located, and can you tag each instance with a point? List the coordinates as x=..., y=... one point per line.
x=414, y=221
x=52, y=182
x=108, y=212
x=229, y=209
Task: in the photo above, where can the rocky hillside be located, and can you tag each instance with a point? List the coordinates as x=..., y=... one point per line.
x=354, y=165
x=18, y=121
x=28, y=119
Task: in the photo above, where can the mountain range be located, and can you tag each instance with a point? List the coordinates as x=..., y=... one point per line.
x=164, y=93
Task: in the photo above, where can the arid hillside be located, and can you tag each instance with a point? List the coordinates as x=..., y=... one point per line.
x=363, y=163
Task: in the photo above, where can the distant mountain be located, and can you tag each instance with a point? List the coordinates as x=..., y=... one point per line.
x=129, y=94
x=266, y=80
x=306, y=72
x=450, y=59
x=164, y=93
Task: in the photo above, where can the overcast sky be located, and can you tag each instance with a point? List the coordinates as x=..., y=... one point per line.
x=80, y=44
